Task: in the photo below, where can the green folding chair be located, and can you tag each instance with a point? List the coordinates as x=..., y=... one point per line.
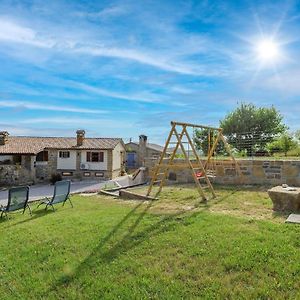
x=61, y=194
x=17, y=199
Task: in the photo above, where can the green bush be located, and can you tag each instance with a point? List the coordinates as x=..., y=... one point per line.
x=55, y=177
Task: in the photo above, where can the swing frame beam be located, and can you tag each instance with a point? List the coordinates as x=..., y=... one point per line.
x=197, y=165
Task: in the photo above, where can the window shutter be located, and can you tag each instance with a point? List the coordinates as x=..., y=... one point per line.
x=101, y=156
x=88, y=156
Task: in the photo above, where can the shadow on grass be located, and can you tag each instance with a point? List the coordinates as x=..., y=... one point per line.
x=130, y=240
x=281, y=214
x=36, y=213
x=212, y=202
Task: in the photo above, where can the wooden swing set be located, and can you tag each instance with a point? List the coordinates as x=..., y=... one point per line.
x=199, y=170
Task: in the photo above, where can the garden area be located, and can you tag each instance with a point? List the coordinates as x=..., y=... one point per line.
x=233, y=247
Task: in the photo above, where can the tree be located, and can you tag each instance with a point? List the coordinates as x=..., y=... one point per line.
x=251, y=128
x=283, y=143
x=201, y=140
x=203, y=137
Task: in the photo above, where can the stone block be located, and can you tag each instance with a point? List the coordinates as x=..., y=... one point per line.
x=258, y=171
x=230, y=172
x=220, y=171
x=290, y=171
x=285, y=199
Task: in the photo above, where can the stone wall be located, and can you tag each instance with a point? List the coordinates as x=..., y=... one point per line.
x=15, y=175
x=42, y=171
x=263, y=172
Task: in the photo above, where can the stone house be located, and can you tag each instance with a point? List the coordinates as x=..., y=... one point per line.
x=25, y=160
x=137, y=153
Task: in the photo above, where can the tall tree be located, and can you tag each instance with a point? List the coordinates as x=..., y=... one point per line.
x=250, y=128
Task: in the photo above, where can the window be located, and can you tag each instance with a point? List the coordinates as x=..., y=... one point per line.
x=42, y=156
x=64, y=154
x=67, y=173
x=95, y=156
x=99, y=174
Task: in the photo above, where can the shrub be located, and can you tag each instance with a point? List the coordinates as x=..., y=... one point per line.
x=283, y=143
x=55, y=177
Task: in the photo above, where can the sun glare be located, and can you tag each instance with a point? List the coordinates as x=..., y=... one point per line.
x=267, y=51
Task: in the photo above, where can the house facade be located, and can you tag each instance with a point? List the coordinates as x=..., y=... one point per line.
x=137, y=153
x=26, y=160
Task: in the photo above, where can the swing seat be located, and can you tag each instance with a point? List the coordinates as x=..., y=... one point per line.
x=209, y=174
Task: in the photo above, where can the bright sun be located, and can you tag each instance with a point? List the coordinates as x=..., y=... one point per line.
x=267, y=51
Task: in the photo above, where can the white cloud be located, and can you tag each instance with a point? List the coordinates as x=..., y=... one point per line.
x=13, y=32
x=108, y=12
x=286, y=83
x=150, y=98
x=106, y=123
x=141, y=57
x=38, y=106
x=168, y=59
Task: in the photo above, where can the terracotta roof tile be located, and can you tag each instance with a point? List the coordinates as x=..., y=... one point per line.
x=33, y=145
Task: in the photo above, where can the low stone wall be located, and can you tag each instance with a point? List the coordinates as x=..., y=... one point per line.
x=15, y=175
x=263, y=172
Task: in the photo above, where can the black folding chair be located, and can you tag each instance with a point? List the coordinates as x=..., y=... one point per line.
x=61, y=194
x=17, y=199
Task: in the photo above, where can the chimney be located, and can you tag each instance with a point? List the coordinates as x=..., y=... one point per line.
x=143, y=140
x=3, y=137
x=80, y=137
x=142, y=149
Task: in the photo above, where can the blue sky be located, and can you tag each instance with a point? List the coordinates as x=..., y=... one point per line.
x=122, y=68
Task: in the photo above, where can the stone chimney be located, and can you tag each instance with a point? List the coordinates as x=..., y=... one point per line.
x=143, y=140
x=80, y=137
x=142, y=149
x=3, y=137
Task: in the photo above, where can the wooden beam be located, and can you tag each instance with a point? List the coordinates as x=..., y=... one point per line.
x=198, y=185
x=212, y=150
x=199, y=163
x=154, y=177
x=170, y=160
x=195, y=125
x=232, y=157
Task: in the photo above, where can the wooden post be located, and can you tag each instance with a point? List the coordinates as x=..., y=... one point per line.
x=169, y=162
x=198, y=185
x=232, y=157
x=160, y=161
x=200, y=164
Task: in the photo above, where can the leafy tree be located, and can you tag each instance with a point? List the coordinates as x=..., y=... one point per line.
x=201, y=139
x=283, y=143
x=250, y=128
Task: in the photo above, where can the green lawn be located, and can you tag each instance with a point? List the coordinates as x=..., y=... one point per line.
x=234, y=247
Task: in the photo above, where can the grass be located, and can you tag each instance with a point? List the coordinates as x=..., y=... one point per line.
x=234, y=247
